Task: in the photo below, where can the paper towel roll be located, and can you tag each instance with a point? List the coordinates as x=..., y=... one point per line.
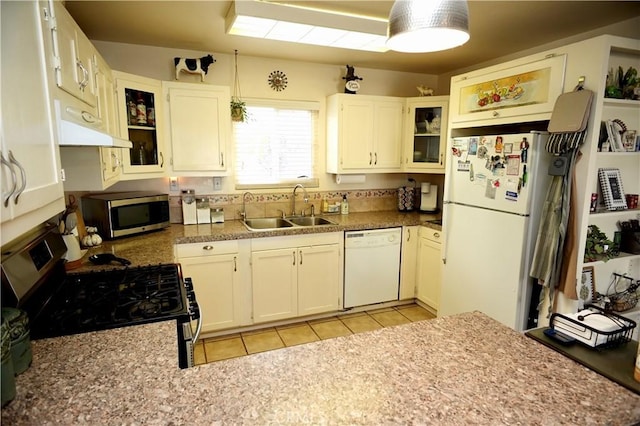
x=350, y=179
x=73, y=247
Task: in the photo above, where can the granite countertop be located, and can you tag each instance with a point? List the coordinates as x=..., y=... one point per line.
x=463, y=369
x=157, y=247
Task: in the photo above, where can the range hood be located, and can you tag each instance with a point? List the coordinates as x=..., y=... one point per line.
x=77, y=127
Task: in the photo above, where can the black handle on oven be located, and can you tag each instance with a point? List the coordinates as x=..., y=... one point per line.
x=194, y=308
x=196, y=313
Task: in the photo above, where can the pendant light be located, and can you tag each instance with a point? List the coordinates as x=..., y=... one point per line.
x=427, y=25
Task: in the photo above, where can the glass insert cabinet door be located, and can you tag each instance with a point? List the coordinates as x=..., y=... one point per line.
x=140, y=118
x=141, y=126
x=426, y=135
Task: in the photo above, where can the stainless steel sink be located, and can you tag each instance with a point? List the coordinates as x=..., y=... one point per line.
x=273, y=223
x=266, y=223
x=310, y=221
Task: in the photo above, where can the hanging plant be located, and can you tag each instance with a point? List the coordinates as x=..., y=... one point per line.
x=238, y=107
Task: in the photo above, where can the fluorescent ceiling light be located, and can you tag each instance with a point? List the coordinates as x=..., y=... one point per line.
x=297, y=24
x=428, y=26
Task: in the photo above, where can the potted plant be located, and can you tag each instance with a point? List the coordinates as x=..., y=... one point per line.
x=598, y=246
x=238, y=107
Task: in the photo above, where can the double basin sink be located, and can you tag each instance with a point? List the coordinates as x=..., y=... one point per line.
x=271, y=223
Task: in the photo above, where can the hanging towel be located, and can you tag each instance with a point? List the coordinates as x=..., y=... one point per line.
x=568, y=275
x=567, y=126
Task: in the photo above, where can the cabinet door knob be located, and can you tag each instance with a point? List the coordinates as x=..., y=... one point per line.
x=207, y=247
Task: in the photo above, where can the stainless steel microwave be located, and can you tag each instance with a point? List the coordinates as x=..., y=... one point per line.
x=120, y=214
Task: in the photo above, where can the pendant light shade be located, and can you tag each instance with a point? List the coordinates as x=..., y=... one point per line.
x=427, y=25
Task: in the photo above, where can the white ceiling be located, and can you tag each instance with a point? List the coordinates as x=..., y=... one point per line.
x=498, y=28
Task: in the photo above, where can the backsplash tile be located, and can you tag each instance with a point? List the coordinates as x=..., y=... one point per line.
x=272, y=204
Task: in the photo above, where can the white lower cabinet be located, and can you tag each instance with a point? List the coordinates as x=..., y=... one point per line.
x=214, y=269
x=429, y=273
x=408, y=259
x=296, y=275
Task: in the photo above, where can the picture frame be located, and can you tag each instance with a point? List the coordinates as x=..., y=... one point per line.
x=611, y=188
x=526, y=89
x=587, y=288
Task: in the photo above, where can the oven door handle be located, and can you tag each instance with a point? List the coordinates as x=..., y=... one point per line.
x=199, y=325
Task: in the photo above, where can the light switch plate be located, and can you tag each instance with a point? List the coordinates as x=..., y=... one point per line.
x=217, y=184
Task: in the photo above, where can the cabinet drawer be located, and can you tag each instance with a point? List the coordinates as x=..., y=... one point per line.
x=431, y=234
x=206, y=249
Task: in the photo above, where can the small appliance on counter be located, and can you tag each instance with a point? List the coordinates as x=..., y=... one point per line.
x=120, y=214
x=428, y=198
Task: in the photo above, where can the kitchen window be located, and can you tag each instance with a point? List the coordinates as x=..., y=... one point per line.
x=276, y=146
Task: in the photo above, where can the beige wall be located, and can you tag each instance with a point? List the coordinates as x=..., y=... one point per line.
x=306, y=81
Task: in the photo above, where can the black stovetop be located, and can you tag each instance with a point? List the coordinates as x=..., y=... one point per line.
x=113, y=298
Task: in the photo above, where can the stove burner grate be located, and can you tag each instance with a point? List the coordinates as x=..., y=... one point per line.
x=114, y=298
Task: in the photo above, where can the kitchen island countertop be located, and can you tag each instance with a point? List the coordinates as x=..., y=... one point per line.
x=463, y=369
x=157, y=246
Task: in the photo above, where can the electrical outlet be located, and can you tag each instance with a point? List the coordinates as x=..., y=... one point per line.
x=217, y=184
x=173, y=184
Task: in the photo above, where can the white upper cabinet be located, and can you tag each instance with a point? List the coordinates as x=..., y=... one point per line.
x=364, y=133
x=92, y=168
x=199, y=127
x=75, y=57
x=140, y=117
x=31, y=183
x=518, y=91
x=425, y=134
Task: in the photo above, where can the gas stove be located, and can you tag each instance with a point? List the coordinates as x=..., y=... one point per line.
x=59, y=304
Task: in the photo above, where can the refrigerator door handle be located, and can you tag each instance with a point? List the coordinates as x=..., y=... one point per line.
x=443, y=247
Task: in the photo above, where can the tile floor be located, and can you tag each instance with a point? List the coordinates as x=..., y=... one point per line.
x=240, y=344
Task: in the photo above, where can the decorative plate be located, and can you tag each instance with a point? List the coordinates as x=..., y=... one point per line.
x=278, y=80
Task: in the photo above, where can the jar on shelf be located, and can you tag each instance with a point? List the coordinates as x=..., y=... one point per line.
x=132, y=112
x=142, y=155
x=151, y=113
x=141, y=108
x=435, y=124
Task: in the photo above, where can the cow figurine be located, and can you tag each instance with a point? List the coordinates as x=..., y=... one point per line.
x=193, y=66
x=351, y=86
x=424, y=90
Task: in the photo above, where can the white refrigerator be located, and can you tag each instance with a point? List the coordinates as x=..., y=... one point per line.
x=495, y=191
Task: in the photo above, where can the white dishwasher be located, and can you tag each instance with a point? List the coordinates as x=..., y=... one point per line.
x=371, y=266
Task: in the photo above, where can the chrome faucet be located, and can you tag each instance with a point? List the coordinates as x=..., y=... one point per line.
x=293, y=199
x=243, y=213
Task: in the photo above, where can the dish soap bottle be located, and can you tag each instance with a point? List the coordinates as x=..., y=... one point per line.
x=345, y=205
x=325, y=205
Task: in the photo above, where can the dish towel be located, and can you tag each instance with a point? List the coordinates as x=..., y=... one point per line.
x=568, y=128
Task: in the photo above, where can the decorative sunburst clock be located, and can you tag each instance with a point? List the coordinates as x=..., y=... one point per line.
x=278, y=80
